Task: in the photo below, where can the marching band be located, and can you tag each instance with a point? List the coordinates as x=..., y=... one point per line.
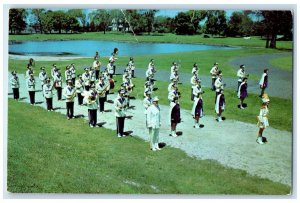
x=93, y=86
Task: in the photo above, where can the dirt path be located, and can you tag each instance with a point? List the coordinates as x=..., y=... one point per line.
x=231, y=143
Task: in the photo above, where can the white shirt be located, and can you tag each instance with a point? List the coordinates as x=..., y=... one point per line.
x=69, y=93
x=153, y=117
x=219, y=84
x=14, y=82
x=47, y=90
x=42, y=77
x=30, y=83
x=214, y=71
x=68, y=75
x=94, y=103
x=58, y=81
x=79, y=86
x=120, y=105
x=240, y=74
x=101, y=88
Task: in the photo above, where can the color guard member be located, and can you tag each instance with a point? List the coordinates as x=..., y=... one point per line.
x=263, y=83
x=213, y=72
x=262, y=118
x=241, y=74
x=242, y=92
x=153, y=124
x=220, y=105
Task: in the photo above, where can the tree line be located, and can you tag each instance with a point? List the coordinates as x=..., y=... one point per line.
x=265, y=23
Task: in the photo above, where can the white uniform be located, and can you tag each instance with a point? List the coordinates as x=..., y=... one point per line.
x=54, y=72
x=92, y=76
x=219, y=84
x=90, y=104
x=110, y=68
x=146, y=103
x=195, y=70
x=214, y=70
x=14, y=82
x=30, y=83
x=86, y=77
x=262, y=79
x=175, y=76
x=58, y=81
x=262, y=118
x=47, y=90
x=101, y=89
x=196, y=90
x=69, y=92
x=79, y=86
x=43, y=77
x=241, y=74
x=120, y=107
x=149, y=73
x=170, y=87
x=153, y=123
x=73, y=72
x=194, y=78
x=68, y=75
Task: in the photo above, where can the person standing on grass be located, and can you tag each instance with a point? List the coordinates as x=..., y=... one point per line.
x=48, y=94
x=43, y=76
x=120, y=108
x=153, y=123
x=58, y=84
x=213, y=72
x=197, y=110
x=131, y=66
x=101, y=89
x=28, y=72
x=79, y=89
x=15, y=85
x=263, y=83
x=96, y=66
x=220, y=105
x=54, y=71
x=68, y=74
x=241, y=74
x=262, y=118
x=194, y=81
x=30, y=83
x=69, y=92
x=219, y=84
x=174, y=115
x=91, y=99
x=73, y=72
x=113, y=59
x=242, y=92
x=195, y=69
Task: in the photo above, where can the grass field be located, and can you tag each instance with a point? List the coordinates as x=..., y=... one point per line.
x=164, y=38
x=54, y=155
x=284, y=63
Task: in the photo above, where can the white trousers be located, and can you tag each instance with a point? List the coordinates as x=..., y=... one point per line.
x=154, y=137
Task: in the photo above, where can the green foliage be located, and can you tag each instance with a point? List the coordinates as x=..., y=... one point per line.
x=54, y=155
x=17, y=20
x=216, y=22
x=239, y=24
x=184, y=25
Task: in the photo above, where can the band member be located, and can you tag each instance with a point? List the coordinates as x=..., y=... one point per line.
x=101, y=89
x=120, y=113
x=68, y=74
x=219, y=84
x=174, y=75
x=220, y=105
x=242, y=92
x=262, y=118
x=97, y=56
x=92, y=77
x=197, y=110
x=173, y=67
x=174, y=94
x=150, y=74
x=148, y=88
x=174, y=115
x=54, y=71
x=96, y=67
x=30, y=83
x=153, y=123
x=196, y=89
x=110, y=69
x=263, y=82
x=172, y=85
x=15, y=85
x=147, y=101
x=86, y=78
x=58, y=85
x=69, y=92
x=31, y=63
x=43, y=76
x=213, y=72
x=29, y=71
x=91, y=99
x=195, y=69
x=79, y=89
x=113, y=59
x=73, y=71
x=131, y=66
x=48, y=94
x=241, y=74
x=151, y=64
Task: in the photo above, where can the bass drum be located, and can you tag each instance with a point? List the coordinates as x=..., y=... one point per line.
x=111, y=84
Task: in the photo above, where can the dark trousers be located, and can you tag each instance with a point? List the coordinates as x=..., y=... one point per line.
x=132, y=73
x=32, y=97
x=262, y=91
x=97, y=74
x=80, y=98
x=49, y=103
x=92, y=117
x=213, y=80
x=16, y=93
x=114, y=69
x=105, y=98
x=70, y=109
x=101, y=103
x=217, y=93
x=58, y=93
x=73, y=81
x=120, y=125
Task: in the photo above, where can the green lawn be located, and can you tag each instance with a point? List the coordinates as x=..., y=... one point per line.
x=164, y=38
x=284, y=63
x=54, y=155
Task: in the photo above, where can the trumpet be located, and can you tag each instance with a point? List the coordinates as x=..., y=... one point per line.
x=91, y=99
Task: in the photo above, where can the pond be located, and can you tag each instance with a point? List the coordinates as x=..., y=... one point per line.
x=87, y=48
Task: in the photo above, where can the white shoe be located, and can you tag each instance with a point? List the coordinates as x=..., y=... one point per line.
x=90, y=124
x=119, y=135
x=259, y=140
x=241, y=107
x=197, y=125
x=220, y=120
x=173, y=134
x=153, y=149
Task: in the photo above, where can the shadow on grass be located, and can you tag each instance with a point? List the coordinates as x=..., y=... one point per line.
x=79, y=116
x=162, y=145
x=108, y=110
x=39, y=102
x=100, y=124
x=128, y=133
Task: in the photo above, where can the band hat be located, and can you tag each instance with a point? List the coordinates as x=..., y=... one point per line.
x=242, y=66
x=14, y=72
x=155, y=99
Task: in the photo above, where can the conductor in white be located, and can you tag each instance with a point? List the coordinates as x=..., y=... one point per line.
x=153, y=124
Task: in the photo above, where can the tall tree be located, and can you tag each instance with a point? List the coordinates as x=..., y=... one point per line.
x=150, y=16
x=48, y=21
x=183, y=24
x=17, y=20
x=101, y=18
x=38, y=15
x=80, y=15
x=60, y=20
x=277, y=22
x=216, y=22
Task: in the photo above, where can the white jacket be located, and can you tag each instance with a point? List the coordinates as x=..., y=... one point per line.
x=30, y=83
x=47, y=90
x=194, y=107
x=69, y=92
x=79, y=86
x=86, y=100
x=219, y=84
x=262, y=79
x=217, y=104
x=14, y=82
x=42, y=77
x=153, y=117
x=120, y=107
x=240, y=74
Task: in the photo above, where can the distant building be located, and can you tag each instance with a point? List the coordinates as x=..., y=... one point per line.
x=116, y=25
